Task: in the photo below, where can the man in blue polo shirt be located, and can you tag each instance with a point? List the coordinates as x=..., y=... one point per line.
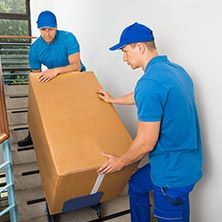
x=58, y=50
x=168, y=131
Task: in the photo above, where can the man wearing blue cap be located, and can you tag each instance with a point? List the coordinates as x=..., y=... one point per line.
x=168, y=131
x=58, y=50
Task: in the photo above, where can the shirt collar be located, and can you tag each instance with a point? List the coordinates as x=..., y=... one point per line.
x=156, y=59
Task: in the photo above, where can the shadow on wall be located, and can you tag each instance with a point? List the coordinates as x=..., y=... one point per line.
x=197, y=196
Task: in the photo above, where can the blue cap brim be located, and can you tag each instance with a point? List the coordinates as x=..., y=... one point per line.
x=117, y=46
x=47, y=26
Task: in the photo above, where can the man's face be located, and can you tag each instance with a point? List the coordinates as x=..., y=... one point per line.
x=131, y=56
x=48, y=34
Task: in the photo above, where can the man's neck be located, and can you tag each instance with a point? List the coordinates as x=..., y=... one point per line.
x=150, y=55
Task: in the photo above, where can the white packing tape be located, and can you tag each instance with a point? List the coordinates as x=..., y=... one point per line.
x=97, y=184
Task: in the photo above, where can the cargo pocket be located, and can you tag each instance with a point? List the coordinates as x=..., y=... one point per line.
x=168, y=207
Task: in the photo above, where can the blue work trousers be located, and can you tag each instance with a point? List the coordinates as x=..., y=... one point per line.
x=170, y=204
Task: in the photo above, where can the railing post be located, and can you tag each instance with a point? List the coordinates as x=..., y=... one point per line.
x=10, y=180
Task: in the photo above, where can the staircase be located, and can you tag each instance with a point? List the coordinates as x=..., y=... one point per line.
x=30, y=200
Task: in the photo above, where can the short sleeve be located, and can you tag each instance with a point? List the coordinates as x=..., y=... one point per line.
x=150, y=98
x=72, y=44
x=34, y=63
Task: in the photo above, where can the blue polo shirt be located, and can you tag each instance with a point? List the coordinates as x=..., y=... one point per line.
x=54, y=54
x=165, y=93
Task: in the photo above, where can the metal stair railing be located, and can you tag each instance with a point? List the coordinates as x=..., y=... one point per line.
x=14, y=55
x=6, y=154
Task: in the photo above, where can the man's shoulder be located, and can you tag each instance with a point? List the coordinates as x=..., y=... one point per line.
x=164, y=71
x=154, y=73
x=65, y=34
x=154, y=77
x=36, y=43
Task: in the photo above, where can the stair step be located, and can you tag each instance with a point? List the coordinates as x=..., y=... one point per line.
x=37, y=219
x=27, y=182
x=14, y=147
x=16, y=102
x=27, y=212
x=16, y=90
x=17, y=116
x=26, y=176
x=22, y=155
x=18, y=132
x=21, y=168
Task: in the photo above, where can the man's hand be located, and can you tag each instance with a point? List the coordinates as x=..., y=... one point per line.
x=122, y=100
x=104, y=95
x=111, y=165
x=48, y=74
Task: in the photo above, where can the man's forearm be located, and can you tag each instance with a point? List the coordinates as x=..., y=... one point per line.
x=49, y=74
x=144, y=142
x=135, y=153
x=124, y=100
x=68, y=68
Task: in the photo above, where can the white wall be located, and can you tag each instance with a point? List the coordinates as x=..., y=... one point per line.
x=189, y=32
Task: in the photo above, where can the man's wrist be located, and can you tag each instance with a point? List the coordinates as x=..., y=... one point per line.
x=111, y=100
x=57, y=70
x=121, y=161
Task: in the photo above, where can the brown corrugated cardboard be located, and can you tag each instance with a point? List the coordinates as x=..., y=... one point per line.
x=70, y=127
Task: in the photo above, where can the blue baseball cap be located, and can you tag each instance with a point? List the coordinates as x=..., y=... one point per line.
x=132, y=34
x=46, y=19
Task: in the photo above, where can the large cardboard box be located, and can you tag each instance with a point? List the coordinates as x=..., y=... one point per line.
x=70, y=127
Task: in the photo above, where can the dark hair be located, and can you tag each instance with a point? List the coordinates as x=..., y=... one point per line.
x=150, y=45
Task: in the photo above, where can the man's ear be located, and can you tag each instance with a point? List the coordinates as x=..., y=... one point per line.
x=141, y=47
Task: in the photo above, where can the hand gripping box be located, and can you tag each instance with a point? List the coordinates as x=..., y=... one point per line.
x=70, y=127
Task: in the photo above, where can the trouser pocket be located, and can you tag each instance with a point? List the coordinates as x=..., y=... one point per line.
x=172, y=204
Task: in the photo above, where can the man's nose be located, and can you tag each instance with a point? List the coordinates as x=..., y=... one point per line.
x=47, y=31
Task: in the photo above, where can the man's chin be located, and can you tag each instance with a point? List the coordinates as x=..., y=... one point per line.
x=133, y=67
x=48, y=40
